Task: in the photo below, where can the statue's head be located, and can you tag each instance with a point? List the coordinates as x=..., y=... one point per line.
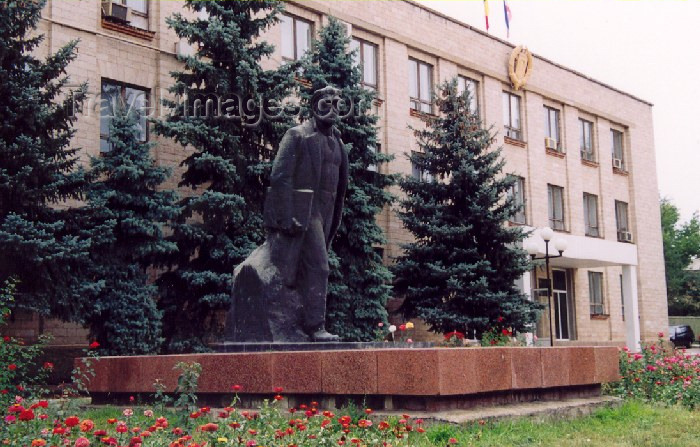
x=325, y=105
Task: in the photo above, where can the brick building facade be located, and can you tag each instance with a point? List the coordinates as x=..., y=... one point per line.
x=596, y=183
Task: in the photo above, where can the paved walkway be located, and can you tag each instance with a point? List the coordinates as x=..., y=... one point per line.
x=538, y=411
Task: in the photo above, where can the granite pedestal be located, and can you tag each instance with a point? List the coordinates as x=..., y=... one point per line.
x=413, y=379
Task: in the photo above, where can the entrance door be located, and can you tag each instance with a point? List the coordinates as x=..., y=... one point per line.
x=560, y=298
x=561, y=308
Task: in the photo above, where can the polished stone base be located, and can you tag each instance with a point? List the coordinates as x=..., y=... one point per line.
x=415, y=378
x=335, y=346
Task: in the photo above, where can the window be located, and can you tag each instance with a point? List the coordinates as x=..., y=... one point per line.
x=586, y=143
x=418, y=172
x=551, y=129
x=517, y=192
x=366, y=56
x=590, y=214
x=374, y=149
x=622, y=298
x=595, y=292
x=133, y=99
x=618, y=152
x=470, y=85
x=421, y=86
x=296, y=37
x=556, y=207
x=623, y=230
x=139, y=12
x=511, y=116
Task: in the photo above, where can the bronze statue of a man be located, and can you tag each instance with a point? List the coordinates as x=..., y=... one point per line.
x=279, y=292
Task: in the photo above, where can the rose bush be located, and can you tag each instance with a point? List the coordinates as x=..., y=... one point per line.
x=19, y=372
x=659, y=373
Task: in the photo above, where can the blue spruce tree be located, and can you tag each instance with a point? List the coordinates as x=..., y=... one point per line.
x=125, y=203
x=38, y=170
x=460, y=272
x=228, y=162
x=359, y=284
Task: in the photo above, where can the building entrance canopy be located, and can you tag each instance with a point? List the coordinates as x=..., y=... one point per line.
x=588, y=253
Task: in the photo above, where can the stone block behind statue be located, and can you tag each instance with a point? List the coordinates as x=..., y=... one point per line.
x=279, y=292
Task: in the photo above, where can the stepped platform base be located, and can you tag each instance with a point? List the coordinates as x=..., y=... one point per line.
x=304, y=347
x=538, y=411
x=432, y=379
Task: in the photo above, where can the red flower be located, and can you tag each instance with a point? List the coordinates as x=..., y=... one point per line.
x=505, y=332
x=12, y=367
x=87, y=425
x=236, y=388
x=500, y=319
x=26, y=415
x=456, y=334
x=7, y=338
x=72, y=421
x=278, y=389
x=661, y=335
x=402, y=327
x=210, y=427
x=48, y=365
x=94, y=345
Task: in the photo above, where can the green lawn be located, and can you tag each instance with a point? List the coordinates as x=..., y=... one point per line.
x=632, y=425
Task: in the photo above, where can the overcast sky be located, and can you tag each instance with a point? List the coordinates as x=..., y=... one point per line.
x=649, y=48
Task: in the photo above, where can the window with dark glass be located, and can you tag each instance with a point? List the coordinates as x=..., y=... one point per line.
x=556, y=207
x=551, y=129
x=511, y=116
x=586, y=140
x=590, y=214
x=618, y=151
x=365, y=55
x=595, y=292
x=517, y=192
x=117, y=96
x=421, y=85
x=621, y=217
x=471, y=86
x=296, y=37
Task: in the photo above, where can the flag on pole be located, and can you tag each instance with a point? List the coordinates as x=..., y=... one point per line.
x=508, y=16
x=486, y=13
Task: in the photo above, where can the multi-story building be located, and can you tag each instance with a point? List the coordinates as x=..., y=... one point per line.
x=583, y=151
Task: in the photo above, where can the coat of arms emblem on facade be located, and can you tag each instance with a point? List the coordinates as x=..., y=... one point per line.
x=519, y=66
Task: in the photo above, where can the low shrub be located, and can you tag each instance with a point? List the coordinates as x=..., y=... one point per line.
x=20, y=375
x=659, y=373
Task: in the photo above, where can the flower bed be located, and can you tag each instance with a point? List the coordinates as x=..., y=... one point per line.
x=659, y=374
x=38, y=424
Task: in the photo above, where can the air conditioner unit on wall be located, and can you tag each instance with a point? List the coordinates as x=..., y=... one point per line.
x=115, y=11
x=550, y=143
x=624, y=236
x=617, y=163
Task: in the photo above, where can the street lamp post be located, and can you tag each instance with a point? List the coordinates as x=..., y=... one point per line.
x=559, y=245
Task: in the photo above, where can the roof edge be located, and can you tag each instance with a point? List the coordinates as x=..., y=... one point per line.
x=505, y=42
